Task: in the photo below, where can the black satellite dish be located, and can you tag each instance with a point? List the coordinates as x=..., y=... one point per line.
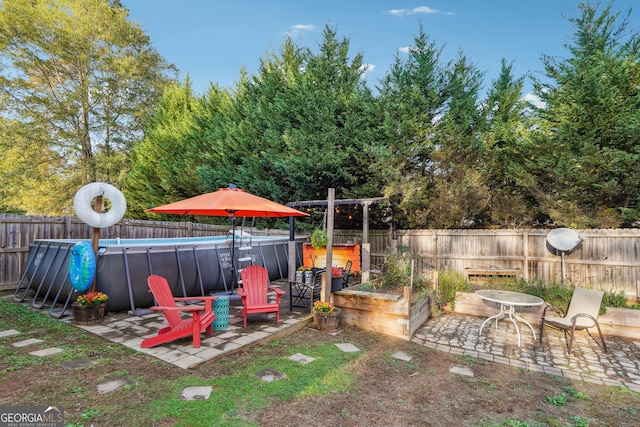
x=563, y=241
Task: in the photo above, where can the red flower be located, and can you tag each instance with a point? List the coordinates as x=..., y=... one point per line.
x=336, y=271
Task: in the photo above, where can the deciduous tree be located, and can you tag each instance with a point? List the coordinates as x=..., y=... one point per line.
x=85, y=76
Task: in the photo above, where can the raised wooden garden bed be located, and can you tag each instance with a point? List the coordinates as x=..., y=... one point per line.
x=394, y=315
x=620, y=322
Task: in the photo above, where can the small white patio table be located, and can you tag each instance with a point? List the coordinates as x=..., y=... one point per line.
x=508, y=300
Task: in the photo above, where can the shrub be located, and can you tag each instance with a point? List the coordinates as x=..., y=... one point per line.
x=552, y=293
x=615, y=299
x=396, y=273
x=560, y=296
x=450, y=282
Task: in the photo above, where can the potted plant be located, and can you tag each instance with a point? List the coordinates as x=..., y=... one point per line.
x=300, y=274
x=326, y=316
x=324, y=307
x=336, y=278
x=304, y=275
x=319, y=238
x=89, y=309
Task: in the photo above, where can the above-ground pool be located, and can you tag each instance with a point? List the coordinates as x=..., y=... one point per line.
x=192, y=266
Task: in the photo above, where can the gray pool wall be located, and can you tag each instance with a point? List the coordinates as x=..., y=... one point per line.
x=192, y=266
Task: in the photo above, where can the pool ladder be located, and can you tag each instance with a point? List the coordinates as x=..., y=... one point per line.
x=245, y=257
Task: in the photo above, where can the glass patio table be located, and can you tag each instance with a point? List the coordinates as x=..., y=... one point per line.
x=508, y=301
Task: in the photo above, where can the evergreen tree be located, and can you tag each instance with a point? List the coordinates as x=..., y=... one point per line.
x=460, y=195
x=160, y=168
x=300, y=126
x=507, y=138
x=588, y=165
x=413, y=96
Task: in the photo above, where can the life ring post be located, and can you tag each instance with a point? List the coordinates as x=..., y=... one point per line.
x=95, y=239
x=93, y=215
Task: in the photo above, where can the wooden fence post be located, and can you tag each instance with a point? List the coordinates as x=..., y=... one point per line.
x=525, y=249
x=366, y=262
x=326, y=283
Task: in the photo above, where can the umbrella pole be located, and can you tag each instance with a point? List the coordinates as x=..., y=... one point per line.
x=233, y=250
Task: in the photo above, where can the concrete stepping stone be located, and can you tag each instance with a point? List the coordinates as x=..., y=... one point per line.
x=112, y=384
x=46, y=352
x=401, y=355
x=301, y=358
x=25, y=343
x=270, y=375
x=77, y=364
x=461, y=370
x=196, y=393
x=9, y=333
x=347, y=347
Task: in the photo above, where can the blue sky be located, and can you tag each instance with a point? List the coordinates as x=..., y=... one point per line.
x=211, y=40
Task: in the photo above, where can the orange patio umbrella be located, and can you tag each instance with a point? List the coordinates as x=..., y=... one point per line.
x=232, y=202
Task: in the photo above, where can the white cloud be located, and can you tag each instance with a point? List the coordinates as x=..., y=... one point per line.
x=299, y=29
x=397, y=12
x=426, y=10
x=303, y=27
x=366, y=69
x=405, y=49
x=423, y=9
x=533, y=99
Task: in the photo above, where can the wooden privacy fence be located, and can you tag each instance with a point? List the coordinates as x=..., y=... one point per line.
x=608, y=258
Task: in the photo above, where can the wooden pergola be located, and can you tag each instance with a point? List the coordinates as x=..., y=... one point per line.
x=330, y=205
x=365, y=203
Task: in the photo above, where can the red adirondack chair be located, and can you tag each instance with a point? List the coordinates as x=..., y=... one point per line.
x=202, y=316
x=254, y=293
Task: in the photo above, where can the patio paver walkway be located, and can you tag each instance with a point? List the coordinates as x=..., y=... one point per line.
x=458, y=334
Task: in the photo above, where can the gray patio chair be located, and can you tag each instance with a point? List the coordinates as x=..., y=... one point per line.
x=582, y=313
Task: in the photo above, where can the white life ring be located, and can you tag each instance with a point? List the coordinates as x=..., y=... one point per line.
x=84, y=211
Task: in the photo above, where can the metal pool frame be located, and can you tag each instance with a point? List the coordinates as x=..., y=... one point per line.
x=192, y=266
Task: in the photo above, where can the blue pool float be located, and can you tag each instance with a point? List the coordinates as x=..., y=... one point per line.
x=82, y=266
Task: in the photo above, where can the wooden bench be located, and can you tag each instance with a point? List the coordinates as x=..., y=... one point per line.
x=470, y=273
